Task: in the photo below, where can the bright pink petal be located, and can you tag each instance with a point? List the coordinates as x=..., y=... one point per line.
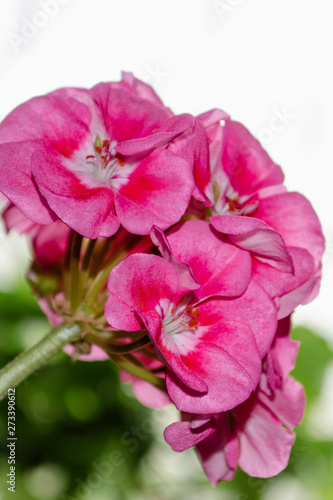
x=62, y=122
x=139, y=283
x=294, y=218
x=245, y=162
x=289, y=290
x=228, y=382
x=170, y=129
x=87, y=210
x=234, y=337
x=187, y=282
x=17, y=184
x=193, y=147
x=219, y=266
x=255, y=309
x=257, y=237
x=51, y=243
x=219, y=452
x=181, y=436
x=157, y=192
x=126, y=114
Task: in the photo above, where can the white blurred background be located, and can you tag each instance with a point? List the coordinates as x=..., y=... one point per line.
x=253, y=58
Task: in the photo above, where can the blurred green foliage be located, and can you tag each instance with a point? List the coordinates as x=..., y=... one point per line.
x=81, y=434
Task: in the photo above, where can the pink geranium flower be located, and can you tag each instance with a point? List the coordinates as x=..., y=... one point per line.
x=96, y=159
x=212, y=347
x=249, y=203
x=257, y=434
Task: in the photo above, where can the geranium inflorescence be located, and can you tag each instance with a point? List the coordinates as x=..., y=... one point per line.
x=173, y=242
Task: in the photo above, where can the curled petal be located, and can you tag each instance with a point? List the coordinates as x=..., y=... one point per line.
x=257, y=237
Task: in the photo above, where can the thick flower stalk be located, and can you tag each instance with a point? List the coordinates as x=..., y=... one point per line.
x=169, y=245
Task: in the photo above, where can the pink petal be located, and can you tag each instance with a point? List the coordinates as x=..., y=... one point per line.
x=228, y=382
x=17, y=184
x=264, y=444
x=294, y=218
x=257, y=237
x=157, y=192
x=148, y=394
x=193, y=147
x=234, y=337
x=14, y=219
x=62, y=122
x=140, y=88
x=87, y=210
x=51, y=243
x=187, y=282
x=213, y=117
x=255, y=309
x=126, y=114
x=96, y=354
x=220, y=267
x=289, y=301
x=219, y=452
x=170, y=350
x=181, y=436
x=139, y=282
x=174, y=126
x=287, y=403
x=245, y=162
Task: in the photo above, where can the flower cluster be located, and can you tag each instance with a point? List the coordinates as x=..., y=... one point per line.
x=173, y=242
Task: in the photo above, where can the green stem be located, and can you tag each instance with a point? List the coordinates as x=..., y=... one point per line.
x=74, y=271
x=119, y=348
x=138, y=372
x=86, y=263
x=101, y=280
x=67, y=262
x=35, y=357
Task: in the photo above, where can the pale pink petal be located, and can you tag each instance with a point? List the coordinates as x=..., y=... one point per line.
x=213, y=116
x=264, y=444
x=257, y=237
x=287, y=403
x=148, y=394
x=14, y=219
x=294, y=218
x=141, y=89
